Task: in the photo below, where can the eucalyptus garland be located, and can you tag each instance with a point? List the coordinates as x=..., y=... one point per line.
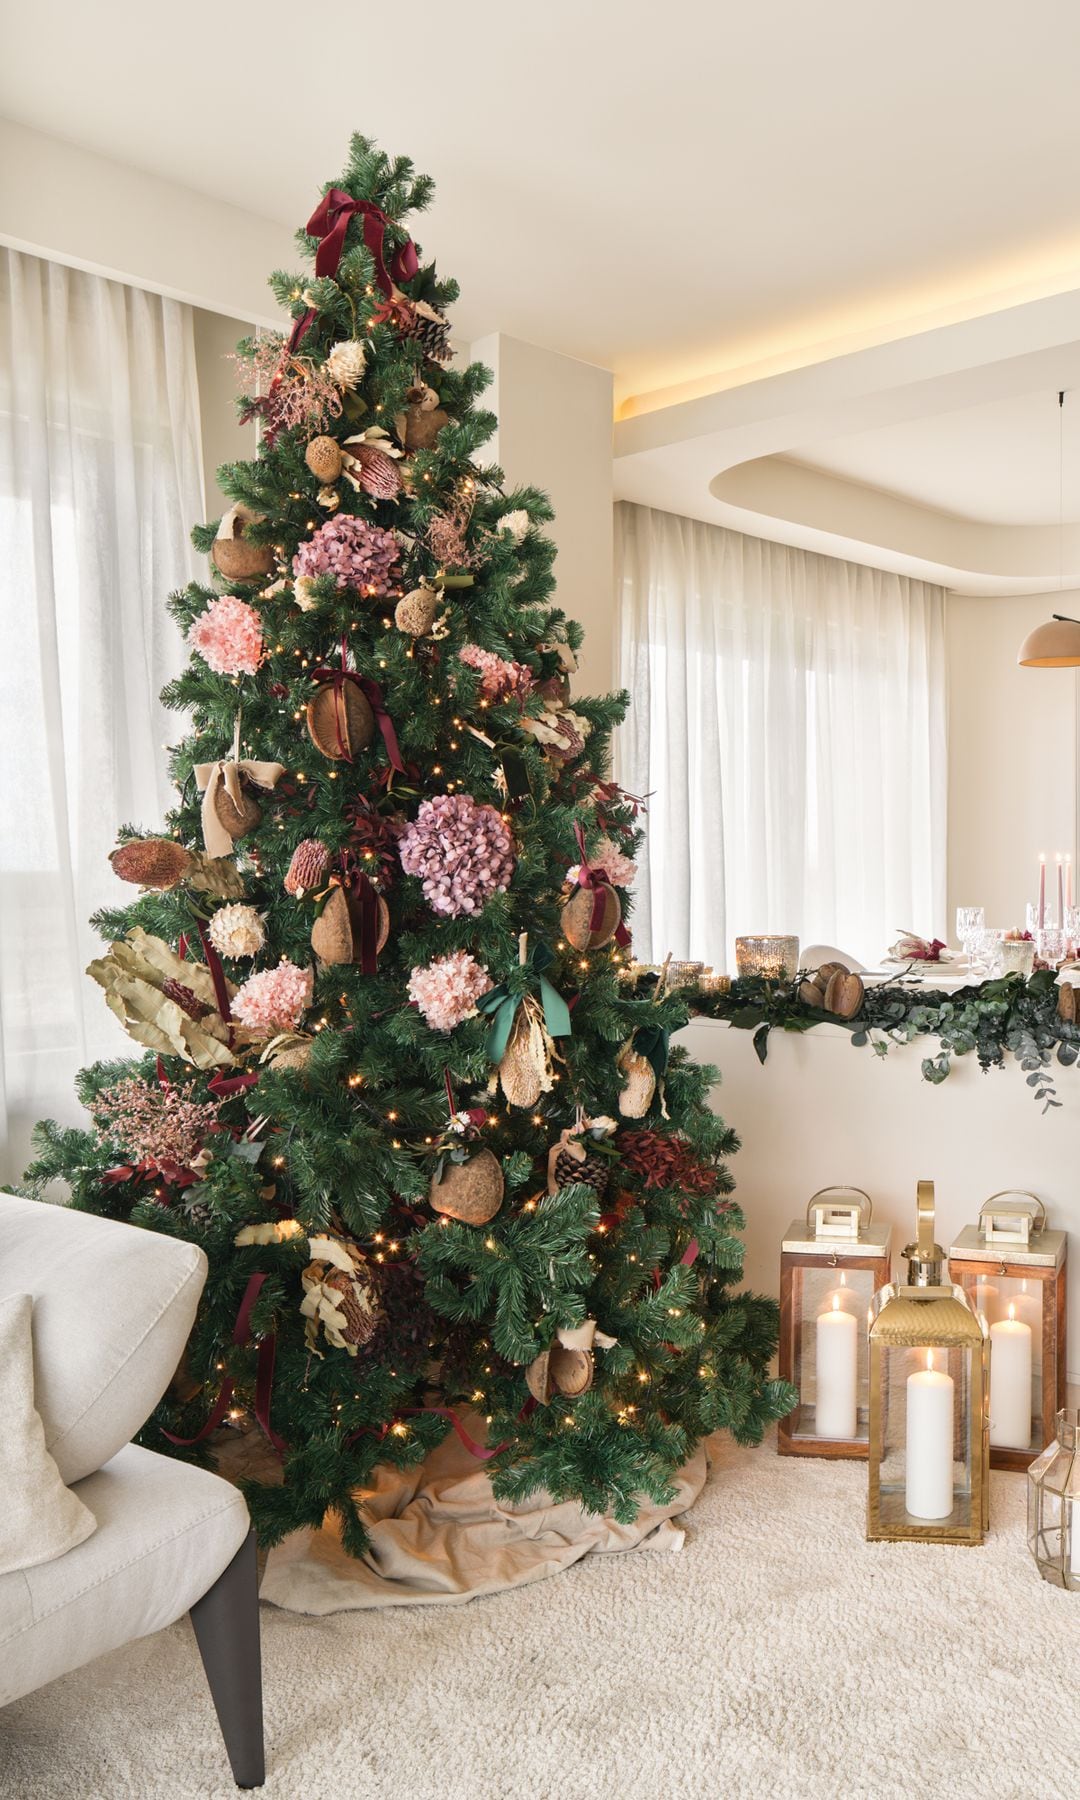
x=991, y=1019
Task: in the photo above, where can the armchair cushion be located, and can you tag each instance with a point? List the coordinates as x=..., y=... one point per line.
x=113, y=1307
x=39, y=1517
x=165, y=1532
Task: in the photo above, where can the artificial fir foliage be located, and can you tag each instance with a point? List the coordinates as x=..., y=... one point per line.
x=385, y=762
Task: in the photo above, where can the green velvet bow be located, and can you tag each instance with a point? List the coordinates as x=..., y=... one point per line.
x=651, y=1042
x=501, y=1006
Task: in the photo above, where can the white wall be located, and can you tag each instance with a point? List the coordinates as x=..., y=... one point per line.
x=555, y=433
x=223, y=440
x=1012, y=754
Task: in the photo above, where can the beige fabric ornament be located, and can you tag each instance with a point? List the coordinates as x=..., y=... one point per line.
x=576, y=919
x=232, y=554
x=423, y=419
x=228, y=812
x=323, y=458
x=338, y=1296
x=336, y=933
x=156, y=863
x=470, y=1191
x=339, y=721
x=415, y=612
x=134, y=973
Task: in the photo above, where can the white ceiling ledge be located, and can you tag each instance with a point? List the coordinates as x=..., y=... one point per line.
x=729, y=457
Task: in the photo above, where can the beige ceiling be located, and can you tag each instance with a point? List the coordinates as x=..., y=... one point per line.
x=996, y=464
x=671, y=191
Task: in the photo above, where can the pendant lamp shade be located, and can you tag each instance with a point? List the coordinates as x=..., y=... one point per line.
x=1055, y=645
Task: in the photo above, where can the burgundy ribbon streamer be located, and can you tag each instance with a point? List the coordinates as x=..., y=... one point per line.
x=217, y=973
x=330, y=222
x=264, y=1377
x=354, y=878
x=223, y=1086
x=373, y=694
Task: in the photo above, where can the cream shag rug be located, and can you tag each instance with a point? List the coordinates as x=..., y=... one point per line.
x=778, y=1654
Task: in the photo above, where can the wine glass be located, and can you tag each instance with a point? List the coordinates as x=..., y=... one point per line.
x=986, y=947
x=1052, y=945
x=969, y=920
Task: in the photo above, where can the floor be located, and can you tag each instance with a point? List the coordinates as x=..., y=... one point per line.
x=778, y=1655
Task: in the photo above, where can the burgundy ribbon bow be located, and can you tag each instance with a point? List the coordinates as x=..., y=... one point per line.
x=330, y=222
x=373, y=694
x=597, y=881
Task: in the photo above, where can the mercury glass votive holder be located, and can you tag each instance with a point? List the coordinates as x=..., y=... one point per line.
x=1017, y=956
x=772, y=958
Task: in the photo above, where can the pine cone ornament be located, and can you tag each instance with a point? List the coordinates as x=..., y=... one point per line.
x=430, y=330
x=594, y=1171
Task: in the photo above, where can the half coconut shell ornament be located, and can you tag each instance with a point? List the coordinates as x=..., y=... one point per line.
x=337, y=935
x=233, y=554
x=340, y=721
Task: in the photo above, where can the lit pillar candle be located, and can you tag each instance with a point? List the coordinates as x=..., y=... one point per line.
x=929, y=1464
x=837, y=1373
x=1010, y=1382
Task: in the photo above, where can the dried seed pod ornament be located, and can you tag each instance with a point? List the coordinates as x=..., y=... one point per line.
x=338, y=1295
x=568, y=1367
x=340, y=720
x=423, y=419
x=591, y=916
x=470, y=1190
x=323, y=458
x=151, y=862
x=351, y=927
x=308, y=869
x=639, y=1082
x=414, y=614
x=232, y=553
x=368, y=463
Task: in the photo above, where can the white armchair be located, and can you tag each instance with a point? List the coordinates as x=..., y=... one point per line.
x=112, y=1309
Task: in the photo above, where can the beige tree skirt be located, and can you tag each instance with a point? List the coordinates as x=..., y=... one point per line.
x=438, y=1534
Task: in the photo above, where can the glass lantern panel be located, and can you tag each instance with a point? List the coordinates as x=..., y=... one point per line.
x=926, y=1462
x=1013, y=1305
x=831, y=1362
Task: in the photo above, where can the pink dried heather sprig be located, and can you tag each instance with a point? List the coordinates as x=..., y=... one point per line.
x=357, y=554
x=228, y=636
x=461, y=851
x=152, y=1122
x=446, y=991
x=287, y=390
x=274, y=999
x=499, y=679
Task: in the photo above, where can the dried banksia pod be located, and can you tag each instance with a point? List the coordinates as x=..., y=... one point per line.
x=309, y=867
x=151, y=862
x=323, y=458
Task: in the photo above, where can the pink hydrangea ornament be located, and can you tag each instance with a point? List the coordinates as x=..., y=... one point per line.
x=228, y=636
x=499, y=678
x=620, y=870
x=446, y=991
x=356, y=554
x=274, y=999
x=461, y=851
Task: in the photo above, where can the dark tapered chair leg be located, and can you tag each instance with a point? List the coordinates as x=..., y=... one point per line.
x=226, y=1622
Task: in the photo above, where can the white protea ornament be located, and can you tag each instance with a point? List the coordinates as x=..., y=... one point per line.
x=515, y=524
x=346, y=363
x=237, y=931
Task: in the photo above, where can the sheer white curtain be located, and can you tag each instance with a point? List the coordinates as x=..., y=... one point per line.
x=100, y=480
x=789, y=722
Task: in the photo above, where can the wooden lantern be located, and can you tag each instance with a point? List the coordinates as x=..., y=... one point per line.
x=832, y=1262
x=1013, y=1272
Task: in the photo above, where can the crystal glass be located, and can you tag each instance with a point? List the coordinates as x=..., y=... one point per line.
x=772, y=957
x=1072, y=925
x=1017, y=956
x=986, y=945
x=969, y=920
x=1052, y=945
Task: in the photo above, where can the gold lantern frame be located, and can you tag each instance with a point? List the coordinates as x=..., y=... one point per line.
x=1011, y=1242
x=929, y=1314
x=840, y=1238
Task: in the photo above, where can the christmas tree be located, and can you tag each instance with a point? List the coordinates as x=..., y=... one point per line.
x=400, y=1078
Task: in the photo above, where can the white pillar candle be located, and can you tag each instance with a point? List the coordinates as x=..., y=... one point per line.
x=1010, y=1382
x=929, y=1462
x=837, y=1371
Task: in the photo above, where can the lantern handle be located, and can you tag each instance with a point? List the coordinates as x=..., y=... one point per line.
x=844, y=1190
x=1018, y=1194
x=924, y=1237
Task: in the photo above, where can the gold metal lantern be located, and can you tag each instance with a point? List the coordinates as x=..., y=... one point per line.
x=1013, y=1272
x=1054, y=1505
x=929, y=1425
x=832, y=1262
